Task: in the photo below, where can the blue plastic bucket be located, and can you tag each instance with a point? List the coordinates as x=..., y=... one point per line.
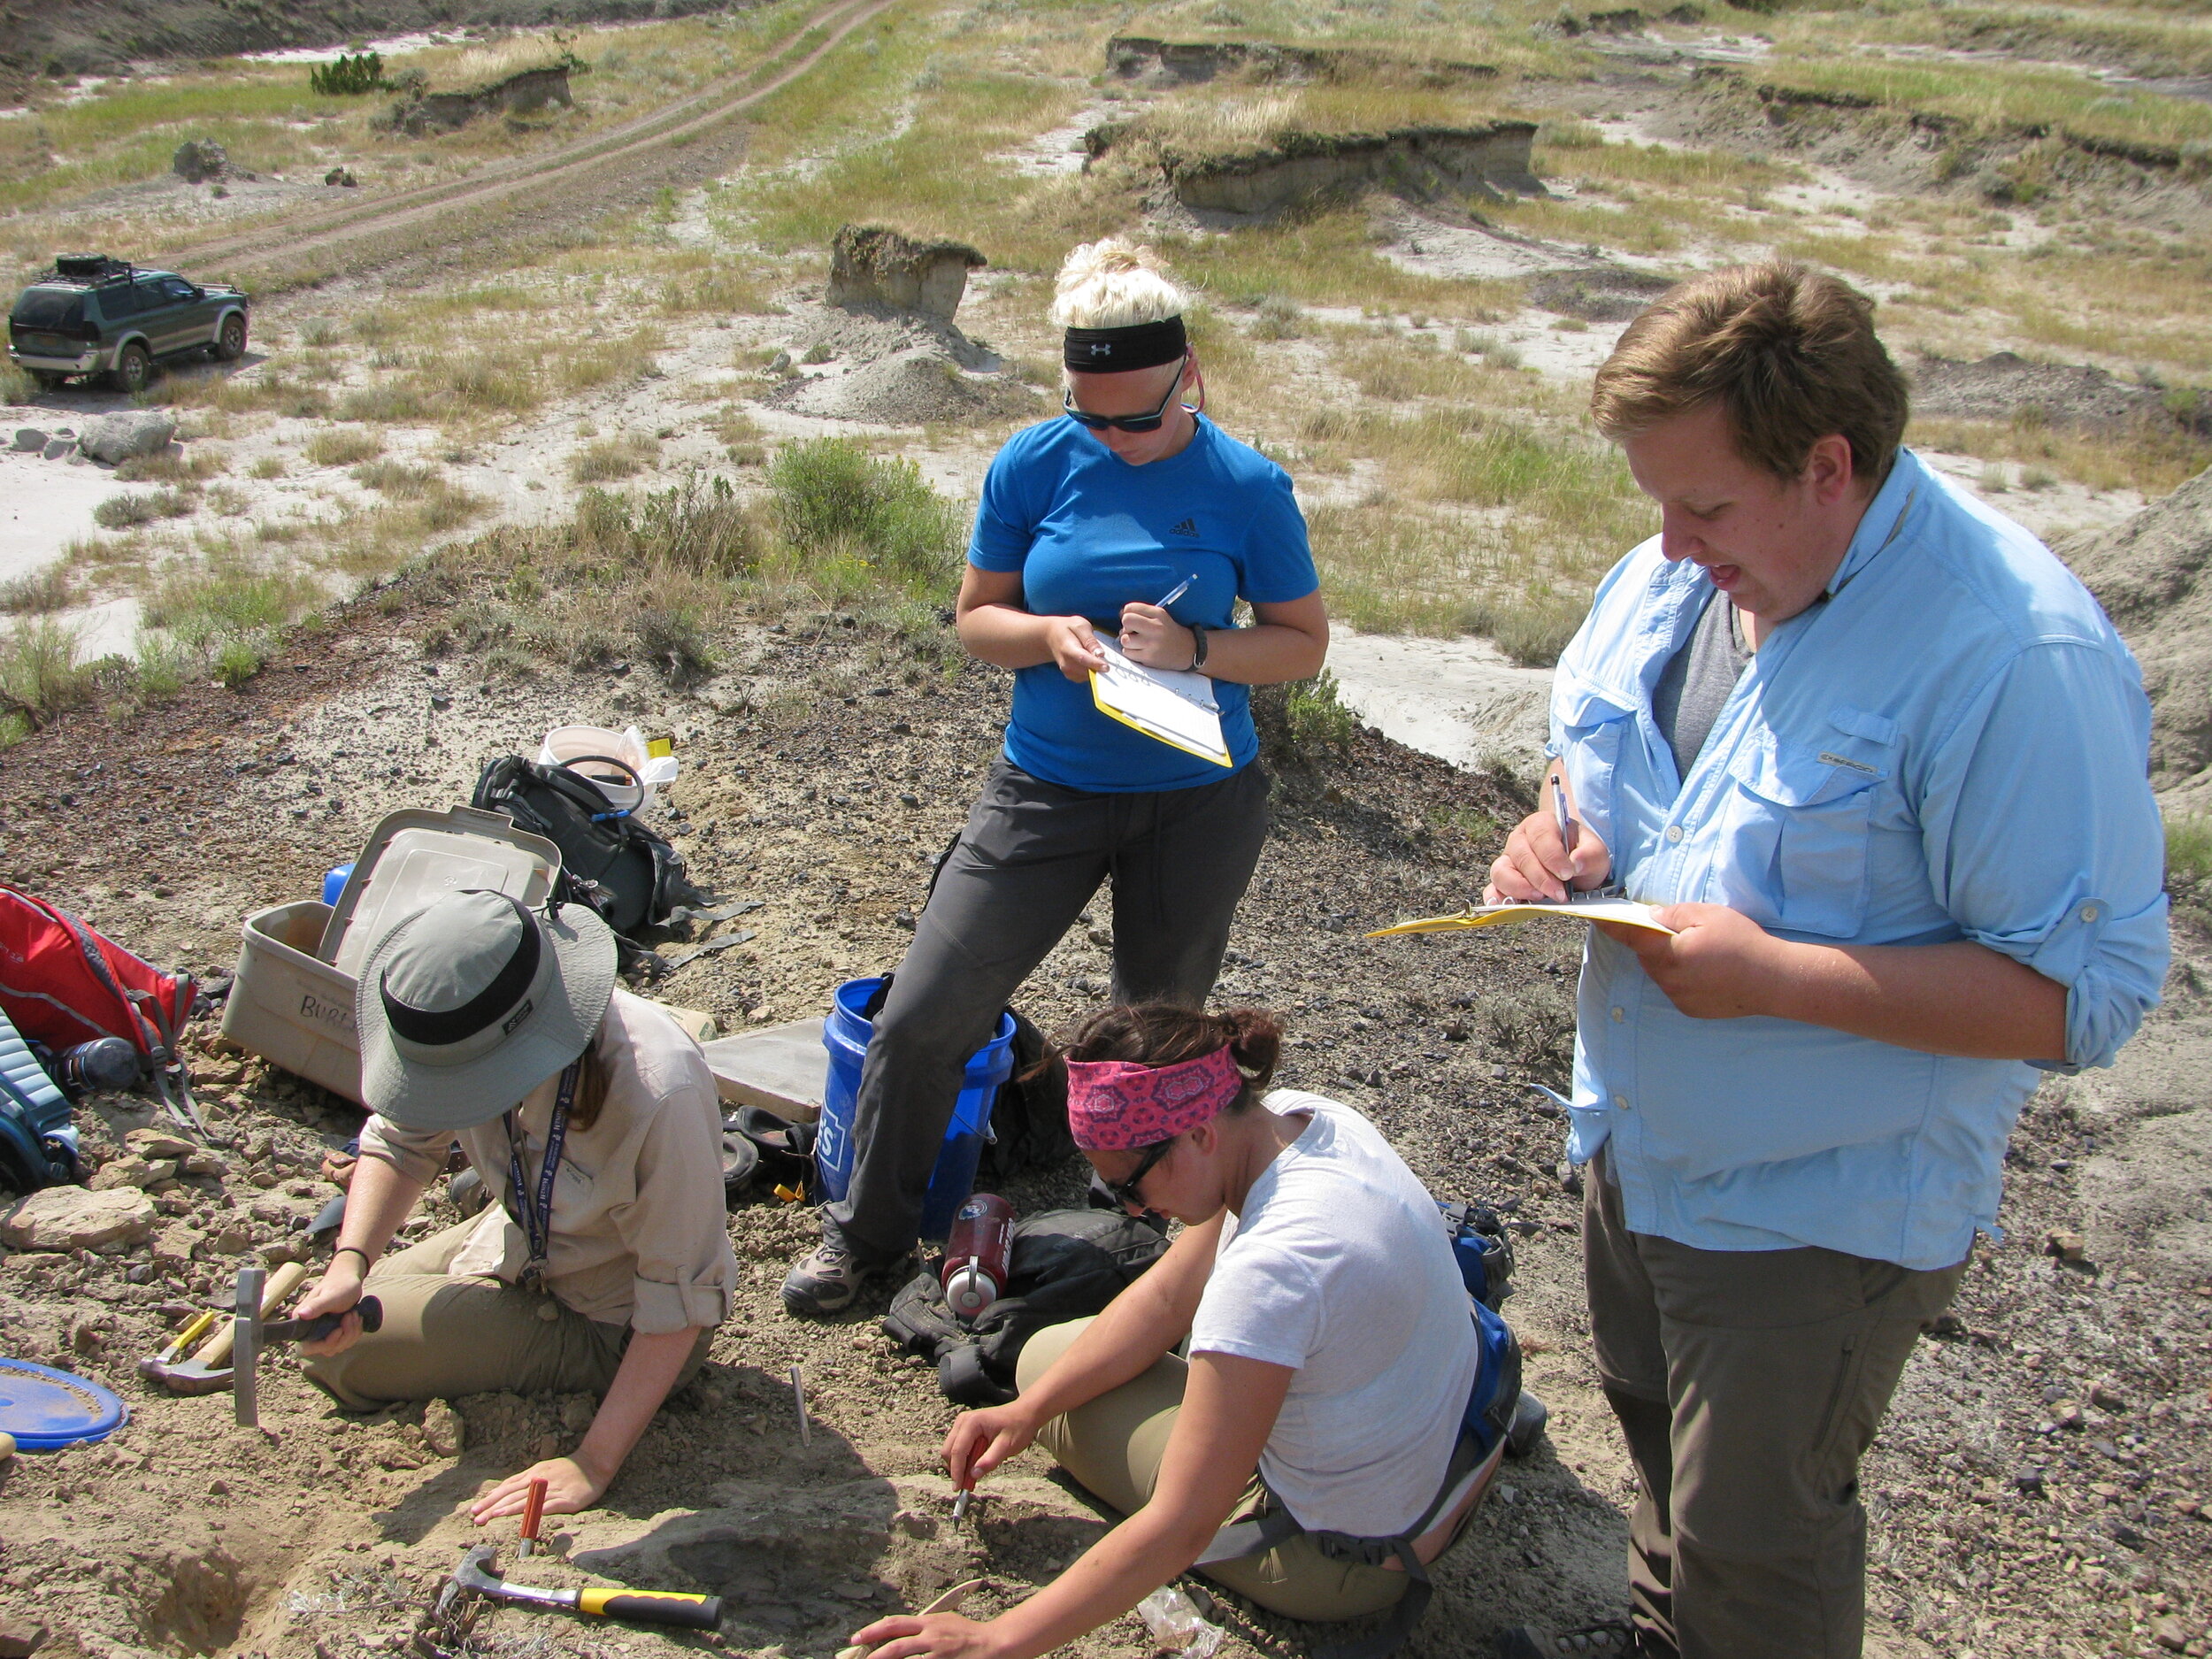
x=335, y=883
x=845, y=1033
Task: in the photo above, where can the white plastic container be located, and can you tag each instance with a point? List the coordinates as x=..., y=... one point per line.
x=289, y=1006
x=566, y=745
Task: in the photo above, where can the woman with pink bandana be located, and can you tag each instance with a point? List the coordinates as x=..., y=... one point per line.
x=1312, y=1453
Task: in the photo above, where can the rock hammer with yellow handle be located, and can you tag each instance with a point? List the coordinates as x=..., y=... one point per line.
x=479, y=1573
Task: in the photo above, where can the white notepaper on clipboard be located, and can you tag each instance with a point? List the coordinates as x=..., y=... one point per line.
x=1167, y=704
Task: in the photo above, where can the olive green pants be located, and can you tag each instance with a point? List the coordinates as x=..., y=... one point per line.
x=1747, y=1384
x=445, y=1335
x=1113, y=1445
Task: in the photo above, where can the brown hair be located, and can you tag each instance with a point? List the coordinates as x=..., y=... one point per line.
x=1789, y=353
x=1168, y=1033
x=591, y=1083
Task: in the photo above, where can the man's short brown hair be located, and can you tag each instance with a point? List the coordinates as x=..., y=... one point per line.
x=1789, y=353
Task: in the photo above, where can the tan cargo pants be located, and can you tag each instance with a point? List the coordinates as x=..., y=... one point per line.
x=1113, y=1445
x=445, y=1335
x=1748, y=1384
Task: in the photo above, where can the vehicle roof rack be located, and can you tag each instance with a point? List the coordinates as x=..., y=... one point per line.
x=90, y=267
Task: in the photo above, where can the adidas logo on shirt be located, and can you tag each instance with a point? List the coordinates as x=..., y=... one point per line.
x=1189, y=527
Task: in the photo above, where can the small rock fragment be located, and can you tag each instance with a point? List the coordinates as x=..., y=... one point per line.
x=152, y=1144
x=73, y=1218
x=443, y=1429
x=121, y=1172
x=2068, y=1246
x=20, y=1637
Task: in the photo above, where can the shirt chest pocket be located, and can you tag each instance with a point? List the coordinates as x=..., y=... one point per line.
x=1597, y=723
x=1794, y=836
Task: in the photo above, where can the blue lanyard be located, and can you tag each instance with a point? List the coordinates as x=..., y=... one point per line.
x=537, y=1220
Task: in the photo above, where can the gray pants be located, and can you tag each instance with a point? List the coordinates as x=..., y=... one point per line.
x=1028, y=861
x=1748, y=1384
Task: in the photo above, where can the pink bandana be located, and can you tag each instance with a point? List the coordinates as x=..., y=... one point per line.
x=1113, y=1105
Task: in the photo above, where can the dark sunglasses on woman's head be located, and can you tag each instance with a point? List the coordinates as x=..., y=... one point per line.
x=1124, y=423
x=1124, y=1191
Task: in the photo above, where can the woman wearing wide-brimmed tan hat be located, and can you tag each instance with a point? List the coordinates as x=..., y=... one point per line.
x=607, y=1264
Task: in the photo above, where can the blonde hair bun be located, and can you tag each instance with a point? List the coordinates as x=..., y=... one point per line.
x=1115, y=283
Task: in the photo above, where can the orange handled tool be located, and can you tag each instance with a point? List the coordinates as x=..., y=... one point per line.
x=533, y=1512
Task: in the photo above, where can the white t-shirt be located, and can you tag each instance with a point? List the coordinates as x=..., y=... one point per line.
x=1340, y=1268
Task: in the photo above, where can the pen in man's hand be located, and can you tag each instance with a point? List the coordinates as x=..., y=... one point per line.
x=1178, y=591
x=1570, y=832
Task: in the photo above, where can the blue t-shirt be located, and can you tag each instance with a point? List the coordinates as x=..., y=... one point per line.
x=1089, y=533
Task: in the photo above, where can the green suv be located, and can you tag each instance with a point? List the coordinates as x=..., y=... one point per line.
x=97, y=316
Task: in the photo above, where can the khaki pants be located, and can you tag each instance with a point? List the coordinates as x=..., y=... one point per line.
x=1113, y=1445
x=1748, y=1384
x=444, y=1336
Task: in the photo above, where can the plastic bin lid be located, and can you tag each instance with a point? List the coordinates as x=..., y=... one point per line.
x=485, y=846
x=47, y=1410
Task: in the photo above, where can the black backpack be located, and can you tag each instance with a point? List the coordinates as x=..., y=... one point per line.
x=609, y=860
x=1066, y=1264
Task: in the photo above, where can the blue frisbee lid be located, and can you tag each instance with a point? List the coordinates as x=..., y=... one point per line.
x=47, y=1410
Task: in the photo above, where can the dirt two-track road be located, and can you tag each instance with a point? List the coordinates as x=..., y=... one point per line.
x=695, y=137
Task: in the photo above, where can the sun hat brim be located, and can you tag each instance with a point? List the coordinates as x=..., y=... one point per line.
x=560, y=1026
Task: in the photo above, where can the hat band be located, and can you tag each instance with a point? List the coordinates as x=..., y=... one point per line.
x=1118, y=350
x=438, y=1028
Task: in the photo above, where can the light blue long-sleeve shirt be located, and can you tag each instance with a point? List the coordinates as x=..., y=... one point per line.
x=1951, y=744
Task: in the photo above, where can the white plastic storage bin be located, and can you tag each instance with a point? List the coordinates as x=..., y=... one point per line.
x=289, y=1006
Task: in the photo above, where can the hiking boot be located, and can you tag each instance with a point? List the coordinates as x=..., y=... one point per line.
x=1612, y=1638
x=827, y=1282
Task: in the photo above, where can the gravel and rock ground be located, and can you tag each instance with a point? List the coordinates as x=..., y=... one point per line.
x=2040, y=1487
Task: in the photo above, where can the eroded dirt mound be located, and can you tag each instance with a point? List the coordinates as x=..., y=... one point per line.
x=896, y=368
x=2007, y=387
x=2148, y=573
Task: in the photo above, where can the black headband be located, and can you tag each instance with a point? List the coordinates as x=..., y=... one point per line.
x=436, y=1028
x=1118, y=350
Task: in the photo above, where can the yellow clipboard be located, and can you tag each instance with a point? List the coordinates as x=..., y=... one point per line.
x=1148, y=700
x=1627, y=913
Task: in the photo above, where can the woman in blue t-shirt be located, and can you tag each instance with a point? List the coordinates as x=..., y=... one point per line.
x=1138, y=520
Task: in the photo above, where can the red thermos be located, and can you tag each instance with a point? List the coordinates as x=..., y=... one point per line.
x=977, y=1254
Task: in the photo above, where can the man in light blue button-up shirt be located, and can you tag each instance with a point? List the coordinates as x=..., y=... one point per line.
x=1911, y=861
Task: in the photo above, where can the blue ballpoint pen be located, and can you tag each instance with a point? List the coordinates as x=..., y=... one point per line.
x=1177, y=592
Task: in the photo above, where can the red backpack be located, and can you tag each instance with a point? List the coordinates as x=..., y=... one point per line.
x=63, y=984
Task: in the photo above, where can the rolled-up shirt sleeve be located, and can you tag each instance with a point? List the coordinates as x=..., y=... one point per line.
x=2044, y=841
x=677, y=1225
x=418, y=1154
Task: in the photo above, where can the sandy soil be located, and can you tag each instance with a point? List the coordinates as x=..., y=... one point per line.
x=1997, y=1530
x=1460, y=700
